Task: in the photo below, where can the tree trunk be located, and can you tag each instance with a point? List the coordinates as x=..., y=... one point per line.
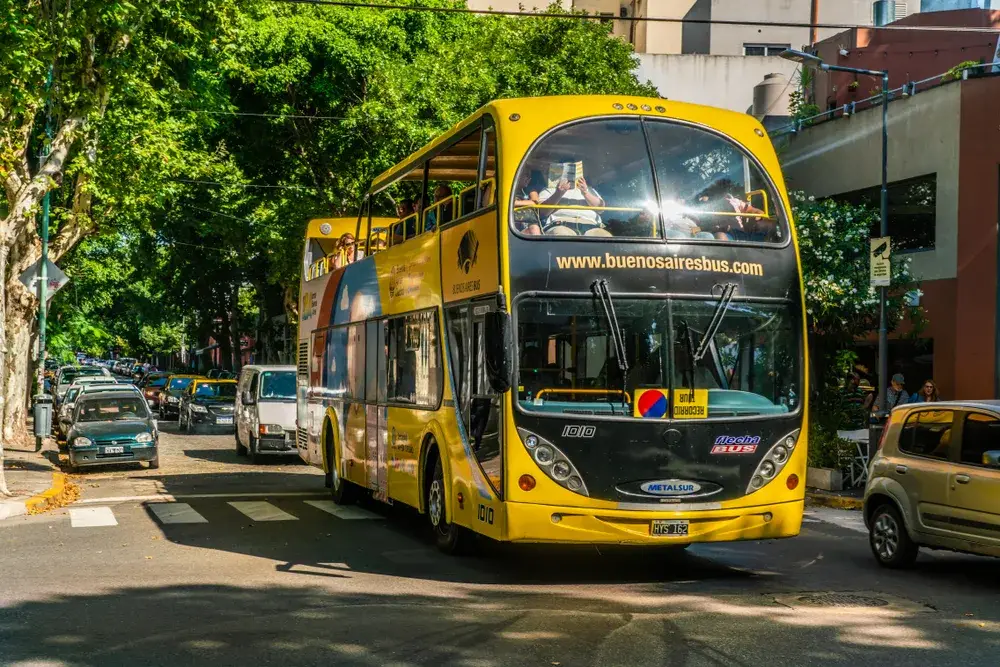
x=234, y=332
x=3, y=352
x=15, y=378
x=223, y=337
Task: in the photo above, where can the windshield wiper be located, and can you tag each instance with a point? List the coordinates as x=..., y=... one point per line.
x=600, y=288
x=721, y=308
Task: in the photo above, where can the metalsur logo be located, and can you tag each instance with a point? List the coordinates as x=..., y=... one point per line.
x=578, y=431
x=670, y=487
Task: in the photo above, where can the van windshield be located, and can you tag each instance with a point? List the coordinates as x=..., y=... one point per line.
x=277, y=385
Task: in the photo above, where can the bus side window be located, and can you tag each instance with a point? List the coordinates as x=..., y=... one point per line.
x=457, y=322
x=373, y=354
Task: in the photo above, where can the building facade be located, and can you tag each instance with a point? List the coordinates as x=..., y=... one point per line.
x=944, y=195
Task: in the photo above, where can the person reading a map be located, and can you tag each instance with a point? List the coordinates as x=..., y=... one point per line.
x=568, y=187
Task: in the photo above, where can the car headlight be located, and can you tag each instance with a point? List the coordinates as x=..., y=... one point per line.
x=171, y=399
x=199, y=408
x=81, y=441
x=773, y=461
x=144, y=437
x=553, y=462
x=271, y=429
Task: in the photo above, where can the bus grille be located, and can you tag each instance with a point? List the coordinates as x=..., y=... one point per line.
x=301, y=438
x=303, y=368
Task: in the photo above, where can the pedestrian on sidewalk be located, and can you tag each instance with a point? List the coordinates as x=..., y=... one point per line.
x=895, y=394
x=927, y=394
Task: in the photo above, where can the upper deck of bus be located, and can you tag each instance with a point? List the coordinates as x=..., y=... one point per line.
x=522, y=120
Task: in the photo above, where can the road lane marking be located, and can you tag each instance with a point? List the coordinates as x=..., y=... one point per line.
x=342, y=512
x=849, y=519
x=176, y=513
x=170, y=497
x=259, y=510
x=90, y=517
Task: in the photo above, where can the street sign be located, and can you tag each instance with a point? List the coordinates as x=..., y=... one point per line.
x=56, y=278
x=879, y=258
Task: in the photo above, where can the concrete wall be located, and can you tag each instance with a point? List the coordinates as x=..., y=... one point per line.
x=719, y=81
x=845, y=155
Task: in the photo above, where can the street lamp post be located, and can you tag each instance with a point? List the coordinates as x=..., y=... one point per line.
x=815, y=62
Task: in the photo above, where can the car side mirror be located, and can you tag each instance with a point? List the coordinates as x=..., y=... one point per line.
x=498, y=344
x=247, y=397
x=991, y=459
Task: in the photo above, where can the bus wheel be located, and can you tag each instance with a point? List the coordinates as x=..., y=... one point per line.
x=341, y=491
x=449, y=537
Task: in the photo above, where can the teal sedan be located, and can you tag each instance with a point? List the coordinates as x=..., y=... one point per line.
x=112, y=427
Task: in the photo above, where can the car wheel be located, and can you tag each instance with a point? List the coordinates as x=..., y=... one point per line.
x=154, y=463
x=254, y=454
x=241, y=449
x=449, y=537
x=891, y=544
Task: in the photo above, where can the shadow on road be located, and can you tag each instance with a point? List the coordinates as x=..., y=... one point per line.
x=223, y=625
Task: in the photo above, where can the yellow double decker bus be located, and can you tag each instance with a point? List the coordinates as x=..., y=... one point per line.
x=568, y=319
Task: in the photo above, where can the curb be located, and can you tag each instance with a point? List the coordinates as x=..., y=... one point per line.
x=54, y=496
x=837, y=502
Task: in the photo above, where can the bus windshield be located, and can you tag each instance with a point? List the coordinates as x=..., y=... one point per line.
x=596, y=179
x=568, y=361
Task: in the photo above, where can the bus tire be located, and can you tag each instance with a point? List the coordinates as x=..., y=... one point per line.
x=342, y=492
x=449, y=537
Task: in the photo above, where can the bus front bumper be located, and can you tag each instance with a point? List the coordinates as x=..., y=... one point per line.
x=553, y=524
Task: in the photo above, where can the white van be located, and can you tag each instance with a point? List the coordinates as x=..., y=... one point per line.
x=265, y=411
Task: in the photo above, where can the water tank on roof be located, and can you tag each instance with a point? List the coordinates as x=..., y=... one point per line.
x=770, y=97
x=883, y=12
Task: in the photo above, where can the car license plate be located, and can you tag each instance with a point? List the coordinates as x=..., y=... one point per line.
x=675, y=527
x=114, y=450
x=223, y=420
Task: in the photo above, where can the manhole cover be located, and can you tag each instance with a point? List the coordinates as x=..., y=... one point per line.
x=841, y=600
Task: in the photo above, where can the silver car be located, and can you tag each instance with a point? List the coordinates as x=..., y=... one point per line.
x=935, y=482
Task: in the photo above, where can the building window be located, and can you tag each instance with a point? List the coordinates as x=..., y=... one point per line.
x=912, y=210
x=764, y=49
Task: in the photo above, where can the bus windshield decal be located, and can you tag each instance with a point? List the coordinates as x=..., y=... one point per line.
x=612, y=261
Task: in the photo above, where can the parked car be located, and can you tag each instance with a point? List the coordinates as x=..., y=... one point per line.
x=170, y=394
x=64, y=417
x=67, y=374
x=151, y=385
x=112, y=427
x=265, y=411
x=935, y=482
x=124, y=365
x=208, y=404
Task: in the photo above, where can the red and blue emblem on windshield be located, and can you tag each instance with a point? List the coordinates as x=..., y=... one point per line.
x=651, y=403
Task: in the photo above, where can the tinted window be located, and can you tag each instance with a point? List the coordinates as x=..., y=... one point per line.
x=589, y=179
x=216, y=390
x=414, y=375
x=927, y=433
x=157, y=382
x=276, y=384
x=180, y=383
x=912, y=210
x=981, y=433
x=710, y=189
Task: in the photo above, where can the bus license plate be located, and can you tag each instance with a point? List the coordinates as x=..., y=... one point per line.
x=675, y=527
x=114, y=450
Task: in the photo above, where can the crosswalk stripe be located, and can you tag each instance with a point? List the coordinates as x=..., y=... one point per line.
x=342, y=512
x=260, y=510
x=89, y=517
x=176, y=513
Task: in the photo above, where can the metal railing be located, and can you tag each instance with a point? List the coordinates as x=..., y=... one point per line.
x=908, y=89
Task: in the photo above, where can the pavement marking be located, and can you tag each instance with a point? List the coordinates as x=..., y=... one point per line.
x=176, y=513
x=168, y=497
x=259, y=510
x=342, y=512
x=89, y=517
x=849, y=519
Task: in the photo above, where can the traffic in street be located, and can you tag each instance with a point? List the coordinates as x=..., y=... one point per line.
x=211, y=560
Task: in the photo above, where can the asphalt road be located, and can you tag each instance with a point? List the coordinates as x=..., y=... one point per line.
x=211, y=561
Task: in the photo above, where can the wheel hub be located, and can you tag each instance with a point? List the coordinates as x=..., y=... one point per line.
x=886, y=537
x=435, y=504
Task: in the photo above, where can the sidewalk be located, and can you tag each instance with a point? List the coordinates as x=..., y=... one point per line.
x=35, y=480
x=849, y=499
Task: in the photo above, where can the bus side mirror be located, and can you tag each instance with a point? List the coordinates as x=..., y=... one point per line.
x=499, y=346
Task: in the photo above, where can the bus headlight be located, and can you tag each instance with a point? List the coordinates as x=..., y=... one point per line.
x=773, y=461
x=553, y=462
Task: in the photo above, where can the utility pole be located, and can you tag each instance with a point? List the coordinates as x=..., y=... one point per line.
x=43, y=269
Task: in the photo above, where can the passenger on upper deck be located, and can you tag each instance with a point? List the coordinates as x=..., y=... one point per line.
x=578, y=195
x=442, y=193
x=728, y=227
x=526, y=217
